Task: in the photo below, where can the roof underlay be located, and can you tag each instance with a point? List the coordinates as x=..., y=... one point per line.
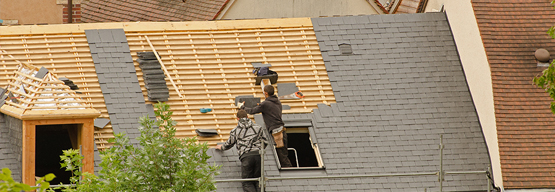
x=209, y=62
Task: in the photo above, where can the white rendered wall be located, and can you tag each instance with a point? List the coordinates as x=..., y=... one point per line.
x=478, y=74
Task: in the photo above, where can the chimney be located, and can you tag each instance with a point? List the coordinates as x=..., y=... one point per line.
x=542, y=57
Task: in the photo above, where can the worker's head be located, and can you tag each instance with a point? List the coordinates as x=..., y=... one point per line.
x=268, y=90
x=241, y=114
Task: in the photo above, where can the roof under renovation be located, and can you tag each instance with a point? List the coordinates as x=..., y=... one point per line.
x=379, y=90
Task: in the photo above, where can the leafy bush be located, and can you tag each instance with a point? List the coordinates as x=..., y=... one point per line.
x=8, y=184
x=161, y=162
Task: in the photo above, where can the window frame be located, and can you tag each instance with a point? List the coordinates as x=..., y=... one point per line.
x=305, y=123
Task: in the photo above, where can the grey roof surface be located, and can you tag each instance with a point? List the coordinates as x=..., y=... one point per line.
x=118, y=80
x=402, y=88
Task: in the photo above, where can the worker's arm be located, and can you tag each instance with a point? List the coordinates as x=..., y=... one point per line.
x=230, y=142
x=258, y=109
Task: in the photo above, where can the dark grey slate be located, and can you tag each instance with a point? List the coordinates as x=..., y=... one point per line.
x=285, y=107
x=118, y=80
x=97, y=160
x=41, y=73
x=250, y=101
x=101, y=122
x=286, y=88
x=258, y=64
x=150, y=111
x=206, y=132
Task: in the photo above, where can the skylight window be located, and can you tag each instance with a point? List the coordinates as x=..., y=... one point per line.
x=303, y=149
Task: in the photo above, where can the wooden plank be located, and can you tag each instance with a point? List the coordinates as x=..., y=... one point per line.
x=86, y=141
x=159, y=26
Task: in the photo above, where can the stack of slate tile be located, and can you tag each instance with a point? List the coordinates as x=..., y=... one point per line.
x=69, y=83
x=153, y=76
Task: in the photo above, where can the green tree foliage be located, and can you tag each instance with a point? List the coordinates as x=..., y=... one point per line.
x=547, y=79
x=9, y=185
x=72, y=161
x=161, y=162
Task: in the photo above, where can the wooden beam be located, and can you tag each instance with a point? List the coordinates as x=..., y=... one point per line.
x=160, y=26
x=28, y=153
x=86, y=141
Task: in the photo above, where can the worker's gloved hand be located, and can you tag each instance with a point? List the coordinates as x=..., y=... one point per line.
x=241, y=105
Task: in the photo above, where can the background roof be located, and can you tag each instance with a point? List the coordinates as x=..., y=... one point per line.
x=150, y=10
x=525, y=124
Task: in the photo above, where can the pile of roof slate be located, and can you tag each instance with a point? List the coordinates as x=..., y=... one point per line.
x=153, y=76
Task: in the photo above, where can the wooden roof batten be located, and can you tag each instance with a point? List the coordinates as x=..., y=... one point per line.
x=45, y=97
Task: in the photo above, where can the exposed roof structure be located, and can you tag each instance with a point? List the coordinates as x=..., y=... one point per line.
x=35, y=93
x=210, y=63
x=525, y=123
x=402, y=6
x=408, y=6
x=400, y=89
x=150, y=10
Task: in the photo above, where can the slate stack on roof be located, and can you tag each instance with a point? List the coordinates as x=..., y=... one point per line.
x=525, y=125
x=153, y=75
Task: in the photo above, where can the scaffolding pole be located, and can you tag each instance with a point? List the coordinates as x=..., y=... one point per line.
x=441, y=173
x=262, y=182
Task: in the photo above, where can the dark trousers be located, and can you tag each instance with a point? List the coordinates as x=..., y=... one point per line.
x=283, y=153
x=250, y=168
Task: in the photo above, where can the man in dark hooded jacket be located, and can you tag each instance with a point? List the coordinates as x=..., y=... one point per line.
x=248, y=138
x=271, y=112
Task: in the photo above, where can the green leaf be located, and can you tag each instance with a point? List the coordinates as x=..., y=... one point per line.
x=49, y=177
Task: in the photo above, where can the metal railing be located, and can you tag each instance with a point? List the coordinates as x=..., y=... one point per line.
x=440, y=173
x=296, y=157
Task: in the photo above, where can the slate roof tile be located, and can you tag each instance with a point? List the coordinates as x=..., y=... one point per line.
x=391, y=100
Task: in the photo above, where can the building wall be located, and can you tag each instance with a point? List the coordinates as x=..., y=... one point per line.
x=243, y=9
x=31, y=11
x=478, y=75
x=434, y=5
x=11, y=144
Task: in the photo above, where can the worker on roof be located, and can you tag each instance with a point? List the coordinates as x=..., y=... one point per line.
x=247, y=138
x=271, y=112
